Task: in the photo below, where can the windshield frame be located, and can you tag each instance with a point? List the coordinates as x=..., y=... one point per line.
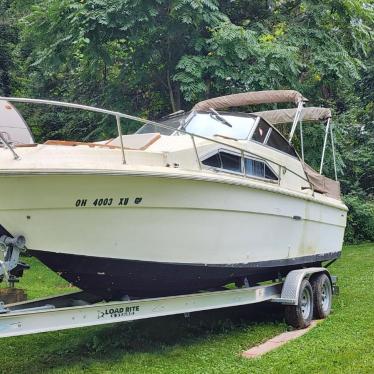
x=186, y=117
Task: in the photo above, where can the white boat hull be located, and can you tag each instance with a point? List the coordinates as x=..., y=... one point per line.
x=139, y=223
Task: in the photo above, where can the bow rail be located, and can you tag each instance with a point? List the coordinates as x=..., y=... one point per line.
x=119, y=115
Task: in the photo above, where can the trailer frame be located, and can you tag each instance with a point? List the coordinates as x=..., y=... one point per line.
x=80, y=309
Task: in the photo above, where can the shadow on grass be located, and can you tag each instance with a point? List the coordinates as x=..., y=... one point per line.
x=109, y=343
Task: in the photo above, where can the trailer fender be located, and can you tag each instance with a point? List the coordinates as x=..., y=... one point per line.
x=292, y=283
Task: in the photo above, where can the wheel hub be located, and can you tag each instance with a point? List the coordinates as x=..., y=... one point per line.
x=305, y=304
x=326, y=296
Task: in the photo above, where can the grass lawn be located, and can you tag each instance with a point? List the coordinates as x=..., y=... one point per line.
x=207, y=342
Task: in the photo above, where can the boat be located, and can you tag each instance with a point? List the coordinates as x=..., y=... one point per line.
x=195, y=201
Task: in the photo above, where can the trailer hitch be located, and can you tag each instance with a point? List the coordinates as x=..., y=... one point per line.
x=10, y=249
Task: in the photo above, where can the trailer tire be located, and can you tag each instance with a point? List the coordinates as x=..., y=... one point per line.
x=300, y=316
x=322, y=295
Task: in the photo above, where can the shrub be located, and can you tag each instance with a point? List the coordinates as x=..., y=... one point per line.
x=360, y=222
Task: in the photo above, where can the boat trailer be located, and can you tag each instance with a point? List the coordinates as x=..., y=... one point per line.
x=80, y=309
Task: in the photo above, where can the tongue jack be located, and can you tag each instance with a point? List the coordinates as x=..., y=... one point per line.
x=11, y=248
x=18, y=241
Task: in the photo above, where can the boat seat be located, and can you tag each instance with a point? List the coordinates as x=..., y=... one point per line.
x=131, y=142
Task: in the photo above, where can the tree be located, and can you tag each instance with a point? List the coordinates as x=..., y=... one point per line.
x=8, y=38
x=150, y=57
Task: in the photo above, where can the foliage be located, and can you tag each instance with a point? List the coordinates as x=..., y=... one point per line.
x=296, y=45
x=356, y=140
x=149, y=58
x=360, y=225
x=7, y=40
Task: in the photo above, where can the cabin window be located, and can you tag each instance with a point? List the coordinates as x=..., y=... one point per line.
x=259, y=169
x=225, y=161
x=232, y=163
x=213, y=161
x=261, y=132
x=277, y=141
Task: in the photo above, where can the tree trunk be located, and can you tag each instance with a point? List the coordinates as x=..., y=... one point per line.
x=177, y=92
x=171, y=93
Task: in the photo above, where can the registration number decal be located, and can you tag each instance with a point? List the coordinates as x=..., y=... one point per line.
x=108, y=201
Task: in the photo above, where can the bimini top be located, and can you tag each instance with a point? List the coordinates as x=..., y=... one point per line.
x=251, y=98
x=280, y=116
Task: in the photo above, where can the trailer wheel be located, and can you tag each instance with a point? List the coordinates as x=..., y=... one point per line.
x=322, y=294
x=300, y=316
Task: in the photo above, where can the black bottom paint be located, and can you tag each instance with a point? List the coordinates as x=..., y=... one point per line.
x=114, y=278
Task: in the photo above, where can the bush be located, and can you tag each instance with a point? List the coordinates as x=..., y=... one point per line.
x=360, y=221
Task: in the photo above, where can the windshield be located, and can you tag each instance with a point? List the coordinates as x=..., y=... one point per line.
x=174, y=123
x=208, y=125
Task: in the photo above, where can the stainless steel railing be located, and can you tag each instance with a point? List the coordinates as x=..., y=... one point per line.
x=119, y=115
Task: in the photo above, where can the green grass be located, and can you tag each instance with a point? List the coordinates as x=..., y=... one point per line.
x=208, y=342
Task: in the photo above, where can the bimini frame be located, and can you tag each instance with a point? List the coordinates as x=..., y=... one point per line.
x=298, y=116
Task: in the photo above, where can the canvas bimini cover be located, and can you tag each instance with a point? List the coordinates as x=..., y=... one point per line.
x=281, y=116
x=251, y=98
x=13, y=127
